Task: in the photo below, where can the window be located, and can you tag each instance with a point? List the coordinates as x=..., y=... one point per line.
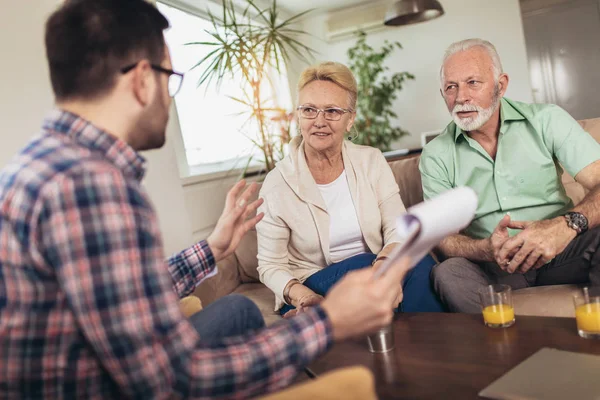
x=214, y=128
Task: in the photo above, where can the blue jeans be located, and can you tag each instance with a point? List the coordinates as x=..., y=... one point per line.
x=232, y=315
x=417, y=287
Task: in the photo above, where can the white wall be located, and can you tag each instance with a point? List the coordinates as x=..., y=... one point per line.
x=419, y=106
x=24, y=85
x=27, y=97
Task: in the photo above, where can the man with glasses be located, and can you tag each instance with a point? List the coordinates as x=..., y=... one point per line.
x=88, y=307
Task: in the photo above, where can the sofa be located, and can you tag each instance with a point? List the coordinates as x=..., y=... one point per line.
x=238, y=274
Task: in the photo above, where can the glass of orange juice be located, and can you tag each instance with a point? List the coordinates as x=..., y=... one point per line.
x=587, y=313
x=497, y=306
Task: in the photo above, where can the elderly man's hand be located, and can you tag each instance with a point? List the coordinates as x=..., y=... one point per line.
x=539, y=243
x=500, y=236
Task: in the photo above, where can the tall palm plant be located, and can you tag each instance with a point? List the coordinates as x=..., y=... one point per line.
x=254, y=44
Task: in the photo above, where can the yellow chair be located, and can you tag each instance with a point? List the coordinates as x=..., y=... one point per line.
x=352, y=383
x=190, y=305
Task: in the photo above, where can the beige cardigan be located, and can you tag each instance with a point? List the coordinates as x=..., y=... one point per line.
x=293, y=237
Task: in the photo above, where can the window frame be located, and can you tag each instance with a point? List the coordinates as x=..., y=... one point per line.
x=192, y=174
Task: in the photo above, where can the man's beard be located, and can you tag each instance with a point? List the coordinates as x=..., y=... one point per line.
x=483, y=114
x=152, y=126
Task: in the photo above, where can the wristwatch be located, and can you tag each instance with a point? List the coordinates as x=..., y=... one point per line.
x=577, y=221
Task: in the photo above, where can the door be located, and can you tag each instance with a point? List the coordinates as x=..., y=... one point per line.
x=563, y=48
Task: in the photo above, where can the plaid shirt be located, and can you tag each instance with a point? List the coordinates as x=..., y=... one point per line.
x=87, y=307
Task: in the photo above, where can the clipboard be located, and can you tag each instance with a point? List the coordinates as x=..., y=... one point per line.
x=426, y=224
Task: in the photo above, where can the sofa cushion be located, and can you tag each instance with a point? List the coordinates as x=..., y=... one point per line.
x=263, y=297
x=408, y=177
x=591, y=126
x=546, y=301
x=246, y=254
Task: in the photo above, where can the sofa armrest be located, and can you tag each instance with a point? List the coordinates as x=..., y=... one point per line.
x=352, y=383
x=222, y=284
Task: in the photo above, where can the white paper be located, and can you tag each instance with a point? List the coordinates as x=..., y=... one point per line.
x=424, y=225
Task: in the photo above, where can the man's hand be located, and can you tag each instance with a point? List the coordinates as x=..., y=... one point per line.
x=233, y=222
x=358, y=304
x=500, y=236
x=539, y=243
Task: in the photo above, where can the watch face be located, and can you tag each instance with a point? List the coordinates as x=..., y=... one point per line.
x=577, y=221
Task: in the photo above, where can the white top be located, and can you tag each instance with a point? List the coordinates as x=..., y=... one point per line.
x=345, y=237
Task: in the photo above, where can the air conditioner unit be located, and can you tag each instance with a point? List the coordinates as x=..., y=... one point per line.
x=343, y=23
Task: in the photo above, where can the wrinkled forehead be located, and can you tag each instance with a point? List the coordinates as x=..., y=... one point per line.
x=322, y=93
x=467, y=63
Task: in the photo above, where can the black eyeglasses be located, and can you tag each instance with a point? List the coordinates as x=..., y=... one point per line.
x=175, y=78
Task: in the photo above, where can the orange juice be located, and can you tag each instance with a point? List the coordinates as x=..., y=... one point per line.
x=588, y=317
x=499, y=315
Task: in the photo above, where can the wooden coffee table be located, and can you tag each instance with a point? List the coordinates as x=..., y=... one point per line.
x=452, y=355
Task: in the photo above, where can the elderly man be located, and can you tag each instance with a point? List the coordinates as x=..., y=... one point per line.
x=526, y=231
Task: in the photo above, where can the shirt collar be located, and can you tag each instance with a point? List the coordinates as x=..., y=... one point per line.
x=85, y=134
x=507, y=113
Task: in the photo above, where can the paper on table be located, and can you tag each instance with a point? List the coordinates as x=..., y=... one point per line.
x=549, y=374
x=424, y=225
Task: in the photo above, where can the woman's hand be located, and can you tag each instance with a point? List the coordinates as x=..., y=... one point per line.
x=398, y=298
x=400, y=295
x=302, y=298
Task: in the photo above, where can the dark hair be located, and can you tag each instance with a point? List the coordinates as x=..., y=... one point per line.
x=89, y=41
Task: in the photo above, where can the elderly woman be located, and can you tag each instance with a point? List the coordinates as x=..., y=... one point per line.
x=330, y=205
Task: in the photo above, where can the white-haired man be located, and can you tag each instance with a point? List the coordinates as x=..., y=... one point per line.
x=526, y=231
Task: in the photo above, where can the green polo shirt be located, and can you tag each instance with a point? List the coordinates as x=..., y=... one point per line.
x=535, y=140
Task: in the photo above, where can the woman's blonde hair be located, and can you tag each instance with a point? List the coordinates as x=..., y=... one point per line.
x=332, y=72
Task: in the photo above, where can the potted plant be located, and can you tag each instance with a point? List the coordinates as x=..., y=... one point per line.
x=255, y=44
x=376, y=93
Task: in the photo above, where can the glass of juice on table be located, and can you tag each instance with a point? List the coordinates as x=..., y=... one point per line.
x=497, y=306
x=587, y=313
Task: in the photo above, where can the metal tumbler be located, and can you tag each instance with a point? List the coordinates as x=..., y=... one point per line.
x=381, y=341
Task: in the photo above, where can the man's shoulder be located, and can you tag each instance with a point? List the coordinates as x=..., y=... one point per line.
x=48, y=159
x=534, y=112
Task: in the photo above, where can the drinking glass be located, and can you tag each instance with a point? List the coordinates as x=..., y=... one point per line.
x=587, y=313
x=497, y=306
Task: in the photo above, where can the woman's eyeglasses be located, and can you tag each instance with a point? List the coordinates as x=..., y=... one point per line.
x=330, y=114
x=175, y=78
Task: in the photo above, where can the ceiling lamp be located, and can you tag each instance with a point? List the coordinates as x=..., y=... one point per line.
x=406, y=12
